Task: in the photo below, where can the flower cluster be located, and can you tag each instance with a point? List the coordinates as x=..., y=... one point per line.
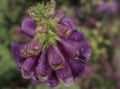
x=55, y=51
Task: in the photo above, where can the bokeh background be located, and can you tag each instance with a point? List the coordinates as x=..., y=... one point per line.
x=98, y=19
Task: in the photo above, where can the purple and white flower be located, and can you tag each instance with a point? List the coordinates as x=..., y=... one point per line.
x=56, y=52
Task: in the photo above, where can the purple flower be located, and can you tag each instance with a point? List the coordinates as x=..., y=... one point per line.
x=63, y=30
x=67, y=49
x=55, y=58
x=16, y=51
x=56, y=52
x=28, y=67
x=52, y=81
x=31, y=48
x=65, y=75
x=43, y=70
x=78, y=68
x=28, y=27
x=59, y=14
x=76, y=36
x=69, y=23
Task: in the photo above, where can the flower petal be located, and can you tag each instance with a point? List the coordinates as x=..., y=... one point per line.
x=78, y=68
x=35, y=80
x=31, y=48
x=69, y=23
x=67, y=49
x=55, y=58
x=28, y=27
x=52, y=81
x=25, y=50
x=77, y=36
x=35, y=47
x=63, y=30
x=28, y=67
x=59, y=14
x=85, y=51
x=43, y=70
x=16, y=53
x=65, y=75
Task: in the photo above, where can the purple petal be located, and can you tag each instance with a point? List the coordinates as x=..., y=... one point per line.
x=59, y=14
x=69, y=23
x=75, y=44
x=63, y=30
x=35, y=47
x=78, y=68
x=28, y=67
x=52, y=81
x=31, y=48
x=28, y=27
x=35, y=80
x=65, y=75
x=55, y=58
x=85, y=50
x=76, y=36
x=25, y=50
x=43, y=70
x=67, y=49
x=16, y=53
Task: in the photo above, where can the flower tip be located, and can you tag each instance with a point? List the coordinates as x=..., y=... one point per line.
x=25, y=74
x=67, y=82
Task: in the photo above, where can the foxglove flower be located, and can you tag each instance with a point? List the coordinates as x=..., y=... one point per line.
x=55, y=51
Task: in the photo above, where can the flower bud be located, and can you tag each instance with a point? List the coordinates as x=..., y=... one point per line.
x=68, y=23
x=41, y=28
x=25, y=50
x=31, y=11
x=52, y=81
x=63, y=30
x=28, y=27
x=55, y=58
x=59, y=15
x=43, y=70
x=65, y=75
x=28, y=67
x=35, y=47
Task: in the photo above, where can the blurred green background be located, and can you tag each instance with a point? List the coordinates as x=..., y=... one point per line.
x=101, y=27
